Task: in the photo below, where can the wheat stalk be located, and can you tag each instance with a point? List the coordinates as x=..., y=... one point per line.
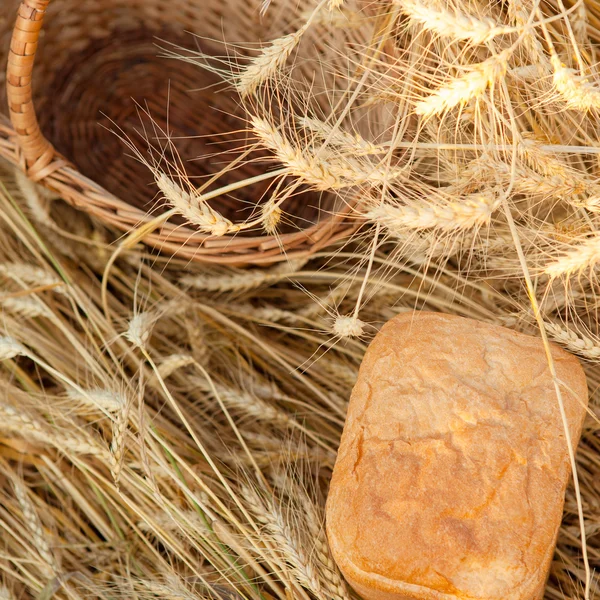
x=451, y=24
x=460, y=90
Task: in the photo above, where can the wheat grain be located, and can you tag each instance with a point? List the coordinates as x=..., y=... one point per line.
x=576, y=91
x=334, y=583
x=451, y=24
x=472, y=211
x=574, y=341
x=268, y=62
x=575, y=260
x=520, y=14
x=270, y=314
x=461, y=90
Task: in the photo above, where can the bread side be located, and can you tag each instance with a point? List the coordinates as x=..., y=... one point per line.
x=452, y=468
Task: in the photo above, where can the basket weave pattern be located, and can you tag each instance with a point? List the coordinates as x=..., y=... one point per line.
x=101, y=57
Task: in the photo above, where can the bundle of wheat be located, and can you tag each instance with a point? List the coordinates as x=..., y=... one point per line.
x=169, y=431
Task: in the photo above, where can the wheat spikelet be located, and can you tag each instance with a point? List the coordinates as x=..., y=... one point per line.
x=576, y=91
x=32, y=520
x=575, y=260
x=348, y=326
x=268, y=62
x=472, y=211
x=28, y=308
x=462, y=89
x=271, y=216
x=574, y=341
x=10, y=348
x=36, y=198
x=139, y=329
x=335, y=4
x=452, y=24
x=194, y=208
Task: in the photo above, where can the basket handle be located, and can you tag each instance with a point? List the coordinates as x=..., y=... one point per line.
x=36, y=149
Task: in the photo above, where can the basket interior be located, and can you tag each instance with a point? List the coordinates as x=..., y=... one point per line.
x=92, y=79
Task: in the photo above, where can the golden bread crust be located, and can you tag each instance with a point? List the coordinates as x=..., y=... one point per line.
x=452, y=468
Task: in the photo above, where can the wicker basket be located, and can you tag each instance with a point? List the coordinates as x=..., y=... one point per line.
x=97, y=64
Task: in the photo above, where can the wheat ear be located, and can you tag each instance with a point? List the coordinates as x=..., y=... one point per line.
x=574, y=341
x=451, y=24
x=472, y=211
x=268, y=62
x=577, y=91
x=32, y=520
x=461, y=90
x=575, y=260
x=345, y=141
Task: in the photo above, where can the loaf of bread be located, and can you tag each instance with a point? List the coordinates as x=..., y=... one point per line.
x=453, y=464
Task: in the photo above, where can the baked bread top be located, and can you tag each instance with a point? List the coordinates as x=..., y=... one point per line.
x=452, y=468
